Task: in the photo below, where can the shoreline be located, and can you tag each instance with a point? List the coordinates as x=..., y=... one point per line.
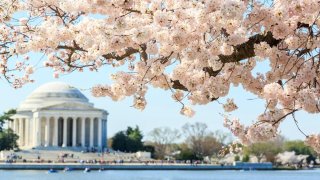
x=132, y=167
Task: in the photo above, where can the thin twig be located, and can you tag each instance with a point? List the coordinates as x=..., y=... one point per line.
x=296, y=122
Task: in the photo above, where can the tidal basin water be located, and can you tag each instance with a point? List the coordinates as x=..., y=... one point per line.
x=161, y=175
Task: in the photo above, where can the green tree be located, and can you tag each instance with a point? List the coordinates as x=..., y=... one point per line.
x=129, y=140
x=119, y=141
x=6, y=117
x=300, y=148
x=246, y=158
x=8, y=140
x=185, y=153
x=134, y=141
x=237, y=158
x=268, y=149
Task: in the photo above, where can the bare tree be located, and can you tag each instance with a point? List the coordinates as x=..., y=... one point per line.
x=210, y=145
x=222, y=137
x=200, y=140
x=163, y=138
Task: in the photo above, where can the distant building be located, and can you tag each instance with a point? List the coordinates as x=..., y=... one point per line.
x=59, y=115
x=143, y=154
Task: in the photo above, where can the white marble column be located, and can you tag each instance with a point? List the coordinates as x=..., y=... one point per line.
x=34, y=132
x=74, y=131
x=100, y=132
x=105, y=140
x=21, y=136
x=55, y=132
x=15, y=126
x=38, y=130
x=27, y=132
x=30, y=131
x=17, y=129
x=65, y=124
x=91, y=132
x=47, y=131
x=9, y=124
x=83, y=132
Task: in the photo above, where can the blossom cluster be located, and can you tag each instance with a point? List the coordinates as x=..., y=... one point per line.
x=230, y=105
x=314, y=141
x=187, y=111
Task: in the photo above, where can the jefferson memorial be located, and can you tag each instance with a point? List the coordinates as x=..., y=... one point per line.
x=59, y=115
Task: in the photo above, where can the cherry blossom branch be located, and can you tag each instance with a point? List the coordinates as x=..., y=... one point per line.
x=246, y=50
x=172, y=91
x=283, y=117
x=296, y=122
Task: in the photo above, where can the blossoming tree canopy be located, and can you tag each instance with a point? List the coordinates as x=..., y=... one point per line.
x=209, y=45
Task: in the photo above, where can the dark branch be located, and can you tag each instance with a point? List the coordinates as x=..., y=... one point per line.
x=241, y=52
x=128, y=52
x=178, y=85
x=246, y=50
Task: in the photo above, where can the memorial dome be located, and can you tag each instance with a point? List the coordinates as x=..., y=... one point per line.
x=53, y=93
x=58, y=115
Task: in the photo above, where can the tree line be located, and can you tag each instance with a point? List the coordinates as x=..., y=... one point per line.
x=193, y=141
x=270, y=149
x=197, y=142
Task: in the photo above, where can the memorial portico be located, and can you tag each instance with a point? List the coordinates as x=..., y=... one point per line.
x=59, y=115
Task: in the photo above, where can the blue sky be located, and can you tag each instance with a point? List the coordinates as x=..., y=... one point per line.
x=161, y=109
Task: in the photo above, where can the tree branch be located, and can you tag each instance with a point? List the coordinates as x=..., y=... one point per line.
x=241, y=52
x=246, y=50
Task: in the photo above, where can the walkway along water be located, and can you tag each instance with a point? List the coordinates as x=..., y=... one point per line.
x=43, y=166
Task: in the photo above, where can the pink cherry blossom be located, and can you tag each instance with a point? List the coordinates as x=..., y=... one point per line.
x=187, y=111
